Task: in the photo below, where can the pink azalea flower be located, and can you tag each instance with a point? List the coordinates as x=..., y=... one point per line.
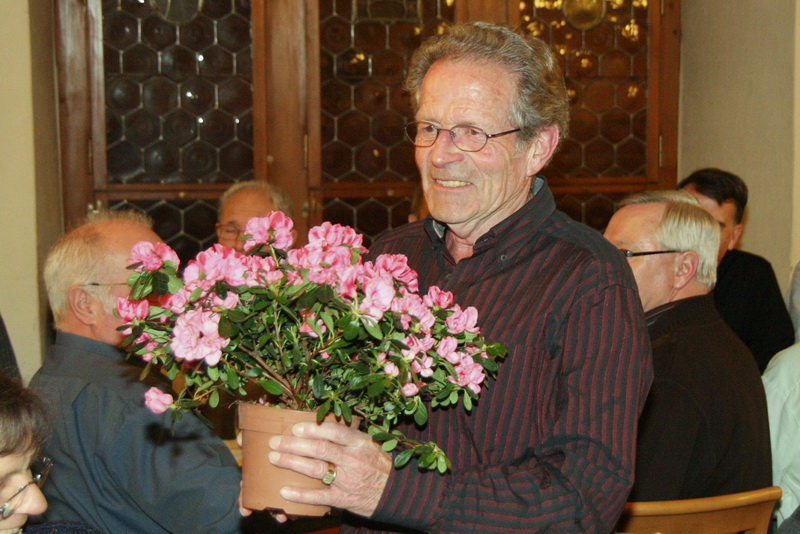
x=437, y=297
x=157, y=401
x=423, y=366
x=462, y=320
x=378, y=295
x=447, y=349
x=397, y=265
x=131, y=312
x=196, y=337
x=391, y=369
x=410, y=389
x=152, y=256
x=470, y=374
x=274, y=229
x=329, y=235
x=305, y=328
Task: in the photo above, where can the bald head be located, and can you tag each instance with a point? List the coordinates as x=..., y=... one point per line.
x=85, y=273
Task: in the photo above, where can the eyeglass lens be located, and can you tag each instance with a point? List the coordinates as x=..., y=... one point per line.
x=467, y=138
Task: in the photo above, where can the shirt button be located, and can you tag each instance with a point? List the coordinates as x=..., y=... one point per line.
x=503, y=257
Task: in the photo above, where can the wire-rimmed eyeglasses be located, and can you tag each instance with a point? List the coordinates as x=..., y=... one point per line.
x=630, y=254
x=467, y=138
x=40, y=469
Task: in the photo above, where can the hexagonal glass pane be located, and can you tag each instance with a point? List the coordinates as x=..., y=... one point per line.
x=235, y=95
x=233, y=33
x=334, y=35
x=158, y=33
x=124, y=161
x=353, y=128
x=215, y=63
x=180, y=127
x=159, y=95
x=216, y=8
x=142, y=127
x=162, y=159
x=199, y=159
x=197, y=96
x=198, y=34
x=179, y=63
x=120, y=30
x=122, y=94
x=236, y=160
x=216, y=127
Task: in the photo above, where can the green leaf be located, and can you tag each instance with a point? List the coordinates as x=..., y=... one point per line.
x=441, y=463
x=351, y=330
x=467, y=402
x=390, y=445
x=323, y=410
x=270, y=386
x=421, y=415
x=377, y=388
x=174, y=285
x=372, y=328
x=213, y=373
x=213, y=399
x=237, y=316
x=403, y=457
x=226, y=327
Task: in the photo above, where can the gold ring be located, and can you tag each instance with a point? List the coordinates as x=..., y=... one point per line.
x=330, y=476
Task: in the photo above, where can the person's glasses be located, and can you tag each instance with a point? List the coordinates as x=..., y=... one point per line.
x=230, y=231
x=467, y=138
x=630, y=254
x=40, y=469
x=98, y=284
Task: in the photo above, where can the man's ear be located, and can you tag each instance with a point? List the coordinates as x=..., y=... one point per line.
x=685, y=268
x=735, y=235
x=82, y=305
x=542, y=149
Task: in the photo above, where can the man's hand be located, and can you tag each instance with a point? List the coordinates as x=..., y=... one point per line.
x=362, y=467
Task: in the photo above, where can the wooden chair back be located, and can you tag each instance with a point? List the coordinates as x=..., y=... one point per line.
x=749, y=512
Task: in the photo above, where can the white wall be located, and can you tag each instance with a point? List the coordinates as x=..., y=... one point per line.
x=737, y=112
x=29, y=185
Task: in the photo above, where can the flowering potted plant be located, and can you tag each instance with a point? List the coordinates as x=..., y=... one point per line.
x=316, y=327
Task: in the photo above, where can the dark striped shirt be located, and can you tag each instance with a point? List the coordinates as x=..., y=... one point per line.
x=550, y=445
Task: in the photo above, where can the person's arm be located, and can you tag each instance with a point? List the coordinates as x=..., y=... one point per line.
x=575, y=480
x=671, y=437
x=794, y=301
x=183, y=478
x=771, y=329
x=782, y=387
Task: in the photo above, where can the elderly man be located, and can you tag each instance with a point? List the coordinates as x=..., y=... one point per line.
x=747, y=294
x=121, y=468
x=704, y=430
x=243, y=201
x=550, y=444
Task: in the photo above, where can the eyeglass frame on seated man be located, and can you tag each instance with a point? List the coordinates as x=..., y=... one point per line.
x=630, y=254
x=454, y=136
x=9, y=507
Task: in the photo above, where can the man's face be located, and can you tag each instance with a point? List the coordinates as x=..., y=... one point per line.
x=120, y=237
x=725, y=215
x=471, y=191
x=239, y=209
x=634, y=228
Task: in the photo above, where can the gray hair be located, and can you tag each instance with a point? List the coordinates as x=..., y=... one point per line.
x=23, y=418
x=685, y=227
x=280, y=199
x=81, y=257
x=541, y=98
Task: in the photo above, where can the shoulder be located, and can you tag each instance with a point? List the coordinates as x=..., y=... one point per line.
x=747, y=260
x=784, y=369
x=401, y=238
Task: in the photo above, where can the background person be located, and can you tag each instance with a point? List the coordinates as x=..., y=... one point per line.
x=243, y=201
x=23, y=428
x=747, y=294
x=549, y=446
x=704, y=429
x=121, y=468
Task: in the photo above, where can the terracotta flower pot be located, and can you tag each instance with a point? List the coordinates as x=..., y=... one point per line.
x=262, y=481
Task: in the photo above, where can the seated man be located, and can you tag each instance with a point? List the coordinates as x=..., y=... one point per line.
x=782, y=384
x=243, y=201
x=747, y=294
x=121, y=468
x=704, y=429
